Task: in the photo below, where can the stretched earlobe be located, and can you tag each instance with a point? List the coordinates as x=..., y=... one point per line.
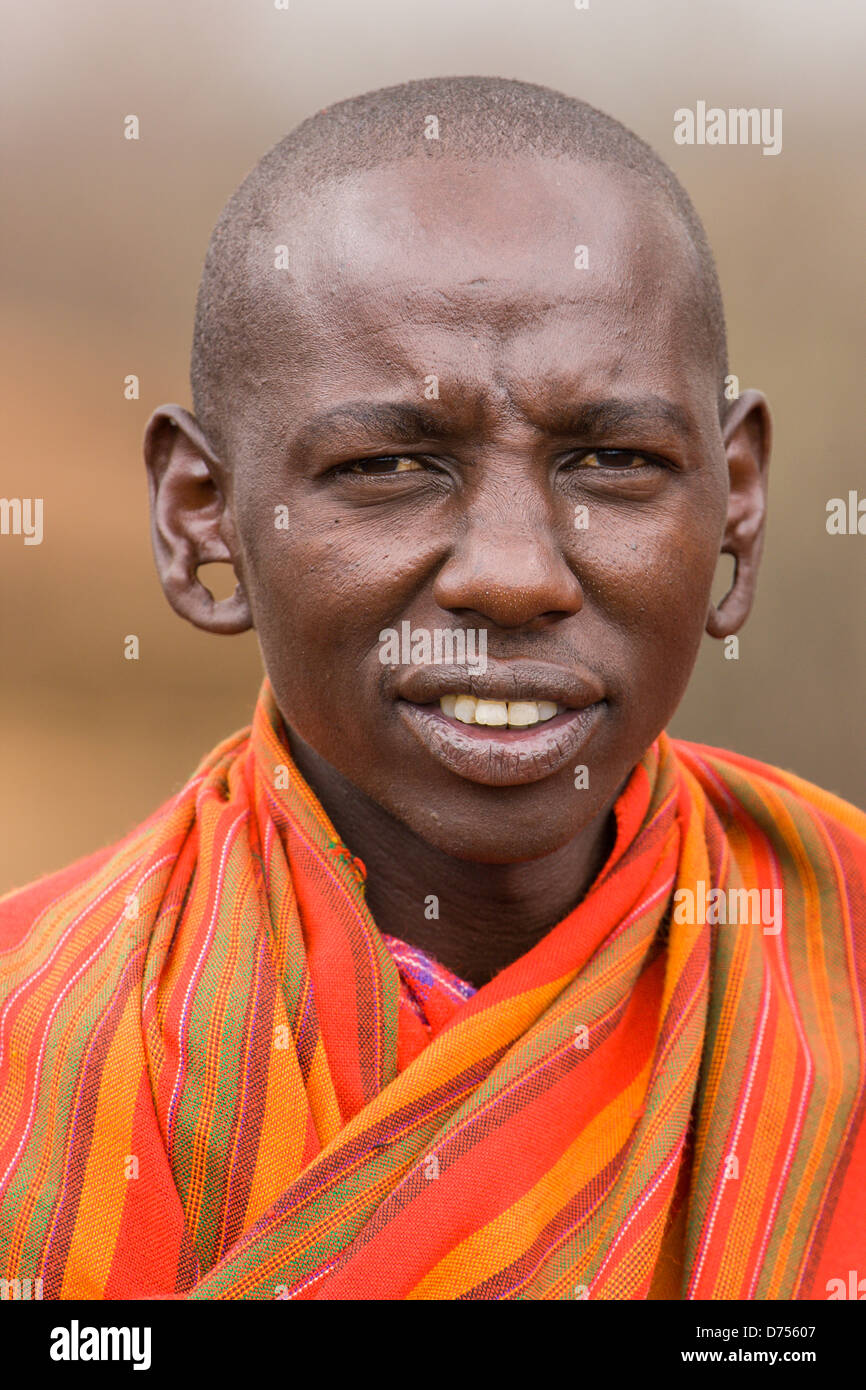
x=747, y=437
x=192, y=600
x=728, y=616
x=191, y=521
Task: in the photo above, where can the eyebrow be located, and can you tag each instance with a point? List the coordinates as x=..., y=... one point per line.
x=406, y=423
x=598, y=417
x=402, y=422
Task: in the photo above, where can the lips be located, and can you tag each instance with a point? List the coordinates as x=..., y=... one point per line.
x=490, y=753
x=509, y=681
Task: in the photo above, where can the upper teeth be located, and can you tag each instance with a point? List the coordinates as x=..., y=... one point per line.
x=519, y=714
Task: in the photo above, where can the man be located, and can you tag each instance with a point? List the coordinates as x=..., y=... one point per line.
x=454, y=977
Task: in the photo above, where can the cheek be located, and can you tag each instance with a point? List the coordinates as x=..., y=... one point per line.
x=322, y=590
x=308, y=597
x=648, y=584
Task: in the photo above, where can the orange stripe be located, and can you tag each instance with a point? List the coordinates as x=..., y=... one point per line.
x=105, y=1186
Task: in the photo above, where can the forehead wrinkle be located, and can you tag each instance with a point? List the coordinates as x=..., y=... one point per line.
x=500, y=311
x=503, y=306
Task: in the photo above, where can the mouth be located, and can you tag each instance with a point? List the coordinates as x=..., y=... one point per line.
x=509, y=727
x=493, y=714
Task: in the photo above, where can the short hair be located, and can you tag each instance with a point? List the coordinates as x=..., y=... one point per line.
x=486, y=117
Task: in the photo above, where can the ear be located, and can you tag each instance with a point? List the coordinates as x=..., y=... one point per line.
x=747, y=434
x=190, y=522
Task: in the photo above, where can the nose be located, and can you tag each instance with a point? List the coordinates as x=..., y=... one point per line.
x=507, y=567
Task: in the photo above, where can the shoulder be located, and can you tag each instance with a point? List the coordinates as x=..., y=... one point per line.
x=104, y=871
x=769, y=794
x=21, y=908
x=60, y=900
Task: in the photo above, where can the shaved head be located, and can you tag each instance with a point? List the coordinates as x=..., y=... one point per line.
x=480, y=119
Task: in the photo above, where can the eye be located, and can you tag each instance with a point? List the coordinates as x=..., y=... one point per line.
x=620, y=460
x=382, y=467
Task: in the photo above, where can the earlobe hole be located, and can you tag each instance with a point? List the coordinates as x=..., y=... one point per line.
x=219, y=578
x=724, y=578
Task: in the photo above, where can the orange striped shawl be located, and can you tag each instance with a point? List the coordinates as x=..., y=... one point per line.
x=207, y=1087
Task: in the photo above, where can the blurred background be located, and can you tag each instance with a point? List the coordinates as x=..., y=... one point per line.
x=103, y=241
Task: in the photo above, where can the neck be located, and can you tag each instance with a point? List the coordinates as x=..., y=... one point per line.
x=475, y=918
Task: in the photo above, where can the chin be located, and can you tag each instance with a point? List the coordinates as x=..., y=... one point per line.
x=494, y=837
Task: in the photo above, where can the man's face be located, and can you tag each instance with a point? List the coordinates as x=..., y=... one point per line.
x=471, y=432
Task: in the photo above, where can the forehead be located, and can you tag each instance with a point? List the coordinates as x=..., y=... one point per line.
x=520, y=275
